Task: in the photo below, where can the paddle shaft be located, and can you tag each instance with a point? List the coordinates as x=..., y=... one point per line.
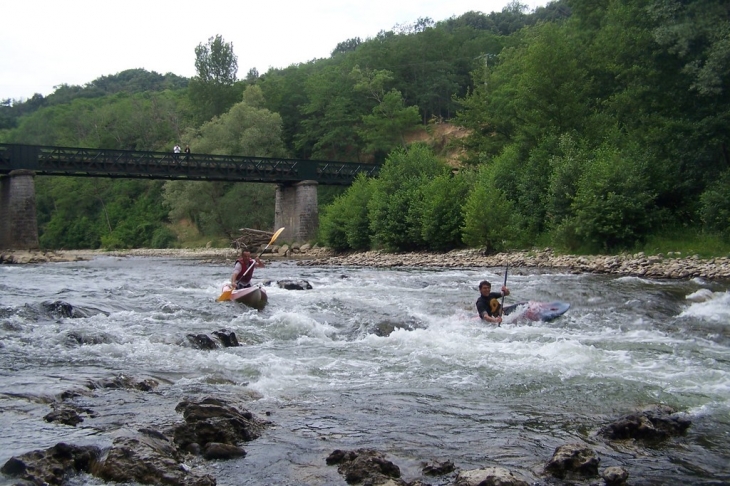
x=504, y=285
x=273, y=239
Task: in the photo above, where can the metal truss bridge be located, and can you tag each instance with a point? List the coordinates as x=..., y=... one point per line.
x=84, y=162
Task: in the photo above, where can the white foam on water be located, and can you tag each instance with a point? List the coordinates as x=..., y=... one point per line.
x=700, y=295
x=715, y=308
x=293, y=326
x=643, y=281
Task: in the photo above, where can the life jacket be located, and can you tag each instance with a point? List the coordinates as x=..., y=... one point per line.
x=240, y=277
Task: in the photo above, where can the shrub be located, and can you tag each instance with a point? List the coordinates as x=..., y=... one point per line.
x=715, y=206
x=613, y=203
x=490, y=219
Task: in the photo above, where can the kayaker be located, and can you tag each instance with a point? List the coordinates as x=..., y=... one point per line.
x=243, y=271
x=488, y=304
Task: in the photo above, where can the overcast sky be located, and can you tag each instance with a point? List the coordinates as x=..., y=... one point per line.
x=45, y=43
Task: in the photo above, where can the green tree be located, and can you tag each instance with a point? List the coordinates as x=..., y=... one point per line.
x=443, y=215
x=715, y=206
x=613, y=205
x=246, y=129
x=332, y=221
x=698, y=32
x=386, y=126
x=92, y=213
x=332, y=114
x=345, y=223
x=396, y=206
x=222, y=208
x=214, y=90
x=285, y=93
x=490, y=220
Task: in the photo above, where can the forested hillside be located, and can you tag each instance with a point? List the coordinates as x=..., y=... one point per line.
x=592, y=126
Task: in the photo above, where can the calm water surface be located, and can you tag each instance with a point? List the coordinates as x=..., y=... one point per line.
x=441, y=386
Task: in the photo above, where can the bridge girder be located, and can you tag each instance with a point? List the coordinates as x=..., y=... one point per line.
x=85, y=162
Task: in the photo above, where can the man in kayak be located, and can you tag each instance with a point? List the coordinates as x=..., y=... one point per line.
x=243, y=271
x=488, y=304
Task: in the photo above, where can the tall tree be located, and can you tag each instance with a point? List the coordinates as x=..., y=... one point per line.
x=332, y=116
x=214, y=90
x=385, y=127
x=222, y=207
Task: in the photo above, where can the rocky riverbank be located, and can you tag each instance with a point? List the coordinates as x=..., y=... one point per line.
x=670, y=266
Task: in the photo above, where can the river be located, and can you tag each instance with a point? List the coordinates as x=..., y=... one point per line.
x=441, y=386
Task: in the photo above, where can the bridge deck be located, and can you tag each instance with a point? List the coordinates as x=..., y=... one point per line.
x=70, y=161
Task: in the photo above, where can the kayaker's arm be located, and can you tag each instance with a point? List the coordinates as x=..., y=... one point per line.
x=493, y=320
x=236, y=270
x=484, y=313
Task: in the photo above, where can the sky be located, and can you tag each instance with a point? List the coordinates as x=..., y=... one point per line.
x=46, y=43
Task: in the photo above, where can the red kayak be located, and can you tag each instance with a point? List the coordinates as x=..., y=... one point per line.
x=538, y=311
x=251, y=296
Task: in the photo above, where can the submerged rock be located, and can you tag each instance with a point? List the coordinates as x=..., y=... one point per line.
x=364, y=466
x=489, y=476
x=290, y=284
x=573, y=459
x=51, y=466
x=615, y=476
x=437, y=468
x=652, y=424
x=66, y=416
x=214, y=421
x=59, y=309
x=227, y=338
x=124, y=382
x=216, y=450
x=201, y=341
x=147, y=459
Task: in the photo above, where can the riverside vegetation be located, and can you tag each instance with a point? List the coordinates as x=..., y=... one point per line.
x=588, y=127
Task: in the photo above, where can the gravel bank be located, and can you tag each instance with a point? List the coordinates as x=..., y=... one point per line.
x=671, y=266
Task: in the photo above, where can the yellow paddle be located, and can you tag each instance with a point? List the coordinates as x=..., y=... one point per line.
x=226, y=295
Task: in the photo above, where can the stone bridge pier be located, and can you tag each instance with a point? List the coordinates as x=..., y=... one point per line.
x=18, y=223
x=296, y=210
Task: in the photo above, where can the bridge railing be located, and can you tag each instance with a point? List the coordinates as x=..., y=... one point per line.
x=74, y=161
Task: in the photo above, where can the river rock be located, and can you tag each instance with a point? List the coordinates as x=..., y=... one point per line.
x=366, y=466
x=58, y=309
x=573, y=459
x=147, y=459
x=214, y=421
x=124, y=382
x=655, y=423
x=437, y=468
x=227, y=338
x=201, y=341
x=294, y=284
x=66, y=416
x=615, y=476
x=386, y=328
x=52, y=466
x=216, y=450
x=492, y=476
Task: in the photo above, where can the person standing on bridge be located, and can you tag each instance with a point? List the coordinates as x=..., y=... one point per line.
x=176, y=152
x=187, y=153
